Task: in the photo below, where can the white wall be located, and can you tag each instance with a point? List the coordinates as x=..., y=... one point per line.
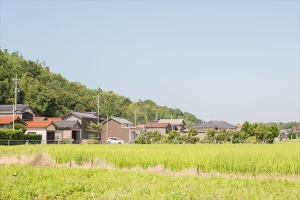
x=40, y=131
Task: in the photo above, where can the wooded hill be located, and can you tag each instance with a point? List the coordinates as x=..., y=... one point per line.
x=51, y=94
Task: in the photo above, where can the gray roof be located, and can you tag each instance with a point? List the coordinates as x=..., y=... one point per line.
x=120, y=120
x=89, y=115
x=65, y=124
x=214, y=124
x=20, y=107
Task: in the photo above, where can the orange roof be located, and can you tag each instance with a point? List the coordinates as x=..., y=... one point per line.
x=38, y=124
x=43, y=119
x=7, y=119
x=36, y=119
x=54, y=118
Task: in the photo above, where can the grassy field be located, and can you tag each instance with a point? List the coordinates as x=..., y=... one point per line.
x=150, y=171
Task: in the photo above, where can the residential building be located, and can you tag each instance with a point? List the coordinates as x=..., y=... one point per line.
x=9, y=120
x=163, y=128
x=46, y=129
x=84, y=118
x=176, y=124
x=25, y=112
x=67, y=129
x=121, y=128
x=202, y=127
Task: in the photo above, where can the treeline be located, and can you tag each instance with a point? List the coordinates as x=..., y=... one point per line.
x=52, y=95
x=250, y=133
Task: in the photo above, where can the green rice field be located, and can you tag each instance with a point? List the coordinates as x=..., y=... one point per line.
x=247, y=171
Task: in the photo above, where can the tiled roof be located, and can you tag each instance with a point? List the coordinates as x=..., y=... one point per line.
x=121, y=120
x=213, y=124
x=20, y=107
x=7, y=119
x=156, y=125
x=89, y=115
x=37, y=119
x=41, y=119
x=172, y=121
x=65, y=123
x=38, y=124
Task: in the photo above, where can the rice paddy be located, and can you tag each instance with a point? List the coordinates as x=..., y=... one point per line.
x=247, y=171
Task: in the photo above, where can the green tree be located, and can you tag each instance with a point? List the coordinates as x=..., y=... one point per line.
x=96, y=130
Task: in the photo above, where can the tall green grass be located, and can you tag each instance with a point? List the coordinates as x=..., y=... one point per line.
x=279, y=158
x=29, y=182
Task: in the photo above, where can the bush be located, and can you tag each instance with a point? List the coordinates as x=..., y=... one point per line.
x=33, y=138
x=92, y=141
x=149, y=138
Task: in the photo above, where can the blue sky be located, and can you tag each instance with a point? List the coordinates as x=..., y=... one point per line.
x=220, y=60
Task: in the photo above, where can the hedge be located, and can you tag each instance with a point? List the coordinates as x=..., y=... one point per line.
x=9, y=134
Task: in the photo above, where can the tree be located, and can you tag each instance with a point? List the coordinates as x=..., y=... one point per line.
x=96, y=130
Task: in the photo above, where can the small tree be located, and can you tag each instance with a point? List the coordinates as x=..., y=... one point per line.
x=96, y=130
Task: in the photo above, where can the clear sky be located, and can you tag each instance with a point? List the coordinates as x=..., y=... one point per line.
x=220, y=60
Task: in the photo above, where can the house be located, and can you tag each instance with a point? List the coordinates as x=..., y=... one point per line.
x=176, y=124
x=121, y=128
x=9, y=120
x=46, y=129
x=163, y=128
x=202, y=127
x=68, y=129
x=25, y=112
x=84, y=118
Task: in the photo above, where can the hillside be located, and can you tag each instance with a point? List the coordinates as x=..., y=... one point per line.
x=51, y=94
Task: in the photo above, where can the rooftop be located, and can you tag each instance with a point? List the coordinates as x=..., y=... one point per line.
x=38, y=124
x=214, y=124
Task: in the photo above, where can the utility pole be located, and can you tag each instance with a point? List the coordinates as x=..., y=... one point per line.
x=98, y=106
x=135, y=117
x=16, y=90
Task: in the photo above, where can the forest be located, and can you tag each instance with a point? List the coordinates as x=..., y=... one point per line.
x=52, y=95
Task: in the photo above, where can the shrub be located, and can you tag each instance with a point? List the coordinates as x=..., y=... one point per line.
x=33, y=138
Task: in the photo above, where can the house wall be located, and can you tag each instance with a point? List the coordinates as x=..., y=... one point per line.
x=133, y=133
x=161, y=130
x=115, y=130
x=67, y=134
x=84, y=123
x=40, y=131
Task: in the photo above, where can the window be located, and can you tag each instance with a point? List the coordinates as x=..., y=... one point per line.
x=32, y=133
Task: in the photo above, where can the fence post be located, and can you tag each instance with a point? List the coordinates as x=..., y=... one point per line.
x=8, y=142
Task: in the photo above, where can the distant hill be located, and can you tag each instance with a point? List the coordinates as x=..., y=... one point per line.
x=52, y=95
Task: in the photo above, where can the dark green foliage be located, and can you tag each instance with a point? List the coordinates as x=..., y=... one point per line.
x=292, y=136
x=173, y=137
x=33, y=138
x=53, y=95
x=18, y=137
x=9, y=134
x=20, y=127
x=96, y=130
